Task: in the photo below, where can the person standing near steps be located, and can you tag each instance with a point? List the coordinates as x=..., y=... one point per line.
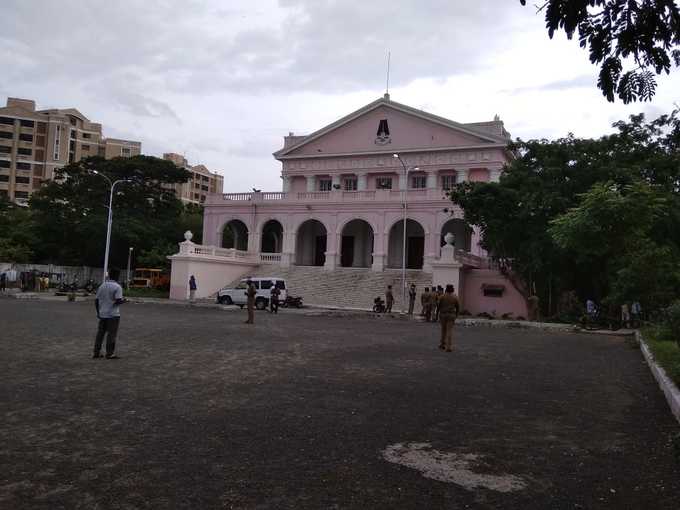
x=250, y=303
x=411, y=298
x=389, y=299
x=107, y=303
x=448, y=311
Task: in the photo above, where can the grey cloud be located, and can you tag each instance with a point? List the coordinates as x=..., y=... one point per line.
x=319, y=46
x=582, y=81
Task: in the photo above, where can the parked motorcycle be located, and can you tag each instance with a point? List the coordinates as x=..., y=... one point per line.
x=90, y=286
x=379, y=305
x=292, y=302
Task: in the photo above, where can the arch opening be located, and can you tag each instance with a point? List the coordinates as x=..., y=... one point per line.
x=356, y=247
x=310, y=244
x=235, y=235
x=462, y=233
x=415, y=245
x=272, y=237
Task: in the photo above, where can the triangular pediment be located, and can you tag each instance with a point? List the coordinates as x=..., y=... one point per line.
x=386, y=126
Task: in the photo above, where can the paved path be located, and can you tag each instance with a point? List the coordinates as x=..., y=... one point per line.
x=203, y=411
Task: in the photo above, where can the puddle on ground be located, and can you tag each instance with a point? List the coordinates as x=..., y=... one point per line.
x=454, y=468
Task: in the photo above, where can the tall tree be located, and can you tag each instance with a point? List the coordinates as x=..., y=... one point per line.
x=548, y=179
x=631, y=40
x=70, y=213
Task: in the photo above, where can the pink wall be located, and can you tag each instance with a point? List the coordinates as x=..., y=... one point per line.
x=406, y=132
x=475, y=302
x=298, y=184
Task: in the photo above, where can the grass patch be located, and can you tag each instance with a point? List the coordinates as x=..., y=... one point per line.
x=665, y=350
x=150, y=293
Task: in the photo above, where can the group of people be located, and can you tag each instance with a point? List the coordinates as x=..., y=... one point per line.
x=437, y=305
x=631, y=313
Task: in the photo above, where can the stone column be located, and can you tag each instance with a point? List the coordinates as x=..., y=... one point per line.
x=403, y=181
x=362, y=181
x=335, y=180
x=311, y=183
x=431, y=181
x=463, y=174
x=286, y=184
x=288, y=252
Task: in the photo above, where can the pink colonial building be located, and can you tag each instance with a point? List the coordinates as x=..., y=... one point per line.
x=339, y=217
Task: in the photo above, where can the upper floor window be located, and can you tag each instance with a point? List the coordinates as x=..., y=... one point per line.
x=27, y=123
x=24, y=152
x=125, y=151
x=22, y=180
x=325, y=184
x=7, y=120
x=5, y=149
x=86, y=147
x=418, y=181
x=23, y=166
x=4, y=163
x=87, y=135
x=25, y=138
x=349, y=184
x=6, y=134
x=448, y=181
x=383, y=183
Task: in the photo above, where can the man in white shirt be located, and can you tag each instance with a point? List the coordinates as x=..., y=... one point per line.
x=108, y=301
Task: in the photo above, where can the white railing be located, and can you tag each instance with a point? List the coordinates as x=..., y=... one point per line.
x=270, y=258
x=237, y=196
x=214, y=251
x=386, y=195
x=313, y=195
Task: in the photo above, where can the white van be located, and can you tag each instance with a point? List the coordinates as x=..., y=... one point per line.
x=237, y=295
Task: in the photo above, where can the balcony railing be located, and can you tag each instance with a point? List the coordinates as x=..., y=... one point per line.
x=270, y=258
x=380, y=195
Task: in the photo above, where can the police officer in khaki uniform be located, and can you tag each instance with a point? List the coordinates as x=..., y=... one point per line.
x=389, y=299
x=427, y=297
x=250, y=304
x=448, y=311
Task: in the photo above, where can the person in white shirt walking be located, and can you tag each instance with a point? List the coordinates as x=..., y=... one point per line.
x=108, y=301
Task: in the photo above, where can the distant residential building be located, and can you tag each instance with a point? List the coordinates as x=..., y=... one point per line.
x=33, y=143
x=201, y=183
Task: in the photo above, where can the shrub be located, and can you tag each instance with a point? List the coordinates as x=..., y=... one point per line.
x=465, y=312
x=507, y=316
x=484, y=315
x=673, y=320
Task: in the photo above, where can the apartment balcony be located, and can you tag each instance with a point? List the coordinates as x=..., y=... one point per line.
x=335, y=196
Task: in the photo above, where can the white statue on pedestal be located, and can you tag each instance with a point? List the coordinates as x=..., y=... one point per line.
x=449, y=248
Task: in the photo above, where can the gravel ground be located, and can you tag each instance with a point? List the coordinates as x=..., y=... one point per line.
x=312, y=411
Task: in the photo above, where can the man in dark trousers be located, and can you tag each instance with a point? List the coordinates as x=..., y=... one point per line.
x=250, y=303
x=274, y=299
x=192, y=289
x=411, y=298
x=448, y=311
x=107, y=303
x=3, y=282
x=389, y=299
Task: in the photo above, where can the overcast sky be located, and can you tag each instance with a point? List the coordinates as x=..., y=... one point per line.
x=224, y=81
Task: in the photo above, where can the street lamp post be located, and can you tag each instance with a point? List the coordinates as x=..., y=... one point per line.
x=110, y=220
x=403, y=247
x=127, y=279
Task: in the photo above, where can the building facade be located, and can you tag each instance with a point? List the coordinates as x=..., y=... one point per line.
x=202, y=182
x=33, y=143
x=368, y=192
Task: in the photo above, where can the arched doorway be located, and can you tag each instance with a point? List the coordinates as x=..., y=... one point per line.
x=235, y=235
x=310, y=244
x=356, y=248
x=415, y=245
x=272, y=237
x=461, y=231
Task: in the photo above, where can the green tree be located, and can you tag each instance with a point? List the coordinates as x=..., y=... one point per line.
x=548, y=179
x=70, y=213
x=15, y=233
x=642, y=34
x=614, y=232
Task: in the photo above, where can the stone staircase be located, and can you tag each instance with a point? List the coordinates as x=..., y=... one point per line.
x=344, y=287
